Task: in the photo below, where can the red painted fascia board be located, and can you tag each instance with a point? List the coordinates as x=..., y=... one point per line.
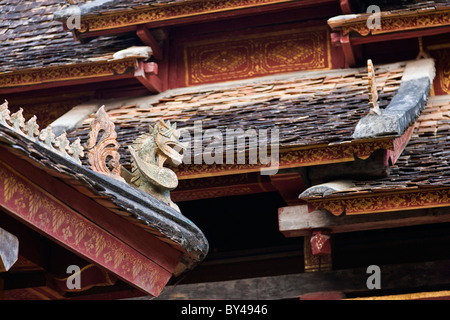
x=203, y=17
x=131, y=68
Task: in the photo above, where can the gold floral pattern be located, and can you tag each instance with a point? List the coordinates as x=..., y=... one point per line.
x=168, y=12
x=290, y=158
x=67, y=72
x=64, y=225
x=253, y=55
x=383, y=202
x=404, y=22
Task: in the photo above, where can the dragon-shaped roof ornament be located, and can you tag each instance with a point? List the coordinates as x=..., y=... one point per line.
x=150, y=152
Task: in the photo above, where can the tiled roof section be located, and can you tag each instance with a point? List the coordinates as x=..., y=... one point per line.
x=30, y=38
x=425, y=162
x=393, y=5
x=322, y=108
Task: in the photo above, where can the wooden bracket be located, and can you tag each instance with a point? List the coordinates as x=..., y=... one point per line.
x=289, y=185
x=338, y=39
x=147, y=74
x=147, y=38
x=347, y=49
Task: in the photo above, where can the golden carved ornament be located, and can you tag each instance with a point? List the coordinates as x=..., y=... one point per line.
x=373, y=93
x=102, y=147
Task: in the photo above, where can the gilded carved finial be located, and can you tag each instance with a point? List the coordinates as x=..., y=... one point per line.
x=31, y=127
x=62, y=144
x=76, y=150
x=105, y=148
x=4, y=114
x=47, y=137
x=18, y=121
x=149, y=153
x=373, y=93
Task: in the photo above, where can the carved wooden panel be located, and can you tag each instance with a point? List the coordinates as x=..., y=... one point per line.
x=246, y=56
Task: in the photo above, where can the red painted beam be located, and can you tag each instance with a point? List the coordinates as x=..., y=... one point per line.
x=209, y=16
x=147, y=75
x=399, y=35
x=347, y=49
x=132, y=235
x=42, y=212
x=147, y=38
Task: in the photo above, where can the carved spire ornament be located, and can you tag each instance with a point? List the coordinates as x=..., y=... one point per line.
x=373, y=93
x=4, y=114
x=102, y=147
x=46, y=137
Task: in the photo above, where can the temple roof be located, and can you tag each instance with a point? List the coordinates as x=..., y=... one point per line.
x=309, y=108
x=424, y=162
x=120, y=198
x=32, y=39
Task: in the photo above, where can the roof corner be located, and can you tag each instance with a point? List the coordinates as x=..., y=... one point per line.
x=404, y=107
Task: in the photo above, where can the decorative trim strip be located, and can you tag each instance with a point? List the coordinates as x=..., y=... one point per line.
x=396, y=22
x=291, y=158
x=36, y=207
x=120, y=19
x=79, y=71
x=392, y=200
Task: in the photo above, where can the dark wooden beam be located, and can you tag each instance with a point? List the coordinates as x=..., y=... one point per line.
x=352, y=282
x=24, y=279
x=147, y=38
x=296, y=221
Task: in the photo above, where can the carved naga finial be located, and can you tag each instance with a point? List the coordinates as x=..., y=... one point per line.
x=30, y=130
x=149, y=153
x=106, y=148
x=373, y=93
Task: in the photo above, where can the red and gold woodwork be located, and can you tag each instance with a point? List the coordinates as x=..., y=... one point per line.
x=383, y=201
x=47, y=215
x=396, y=22
x=247, y=56
x=442, y=80
x=81, y=71
x=293, y=157
x=152, y=14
